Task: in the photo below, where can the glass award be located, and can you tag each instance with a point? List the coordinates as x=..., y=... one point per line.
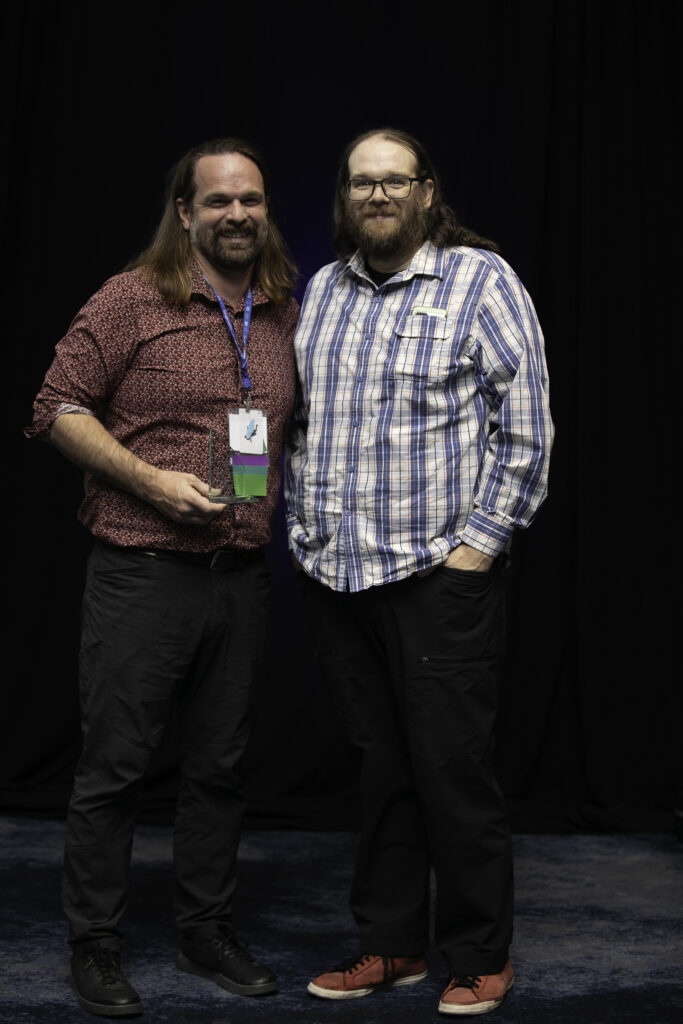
x=225, y=486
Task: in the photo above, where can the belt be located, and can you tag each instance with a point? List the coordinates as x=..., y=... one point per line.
x=222, y=560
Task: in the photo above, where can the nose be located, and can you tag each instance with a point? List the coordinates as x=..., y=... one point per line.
x=236, y=212
x=377, y=194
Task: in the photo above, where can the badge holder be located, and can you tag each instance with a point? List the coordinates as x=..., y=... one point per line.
x=238, y=460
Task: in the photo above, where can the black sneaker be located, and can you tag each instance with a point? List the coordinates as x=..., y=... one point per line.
x=100, y=984
x=222, y=958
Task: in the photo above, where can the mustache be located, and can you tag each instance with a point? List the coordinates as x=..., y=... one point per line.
x=243, y=229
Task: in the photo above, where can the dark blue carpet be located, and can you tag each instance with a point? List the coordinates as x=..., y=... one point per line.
x=599, y=932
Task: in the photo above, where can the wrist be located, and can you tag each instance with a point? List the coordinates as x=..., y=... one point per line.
x=469, y=558
x=145, y=479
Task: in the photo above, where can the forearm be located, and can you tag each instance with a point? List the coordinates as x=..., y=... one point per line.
x=85, y=441
x=295, y=454
x=181, y=497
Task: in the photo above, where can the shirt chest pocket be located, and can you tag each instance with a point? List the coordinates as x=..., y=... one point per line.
x=428, y=348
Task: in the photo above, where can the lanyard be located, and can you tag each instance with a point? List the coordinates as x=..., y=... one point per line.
x=246, y=323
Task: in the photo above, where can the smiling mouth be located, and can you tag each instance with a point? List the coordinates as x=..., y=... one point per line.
x=243, y=231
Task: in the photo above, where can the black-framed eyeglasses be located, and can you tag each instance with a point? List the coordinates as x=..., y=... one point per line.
x=398, y=186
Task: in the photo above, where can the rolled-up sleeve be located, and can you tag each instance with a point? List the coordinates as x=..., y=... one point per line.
x=89, y=361
x=513, y=479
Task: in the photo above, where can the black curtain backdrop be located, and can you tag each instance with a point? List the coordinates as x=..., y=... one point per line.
x=553, y=126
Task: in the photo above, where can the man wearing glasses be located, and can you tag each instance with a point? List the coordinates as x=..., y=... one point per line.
x=421, y=442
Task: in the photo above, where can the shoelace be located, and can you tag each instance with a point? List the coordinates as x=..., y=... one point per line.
x=228, y=942
x=352, y=963
x=465, y=981
x=108, y=965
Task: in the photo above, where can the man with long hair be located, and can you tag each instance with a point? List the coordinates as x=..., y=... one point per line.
x=174, y=615
x=421, y=441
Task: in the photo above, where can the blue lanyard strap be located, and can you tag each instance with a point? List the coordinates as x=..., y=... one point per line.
x=241, y=351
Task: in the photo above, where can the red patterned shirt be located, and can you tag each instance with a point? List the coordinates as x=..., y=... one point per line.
x=159, y=376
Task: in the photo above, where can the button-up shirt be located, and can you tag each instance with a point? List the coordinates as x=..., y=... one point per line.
x=423, y=419
x=159, y=376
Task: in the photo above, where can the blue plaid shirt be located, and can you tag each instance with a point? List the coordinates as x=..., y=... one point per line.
x=423, y=416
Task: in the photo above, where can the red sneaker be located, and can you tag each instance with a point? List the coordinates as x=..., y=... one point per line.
x=360, y=975
x=473, y=993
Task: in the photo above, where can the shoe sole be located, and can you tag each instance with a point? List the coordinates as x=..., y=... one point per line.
x=103, y=1010
x=485, y=1007
x=330, y=993
x=190, y=967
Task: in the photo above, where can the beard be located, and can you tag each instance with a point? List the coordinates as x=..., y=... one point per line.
x=215, y=244
x=387, y=231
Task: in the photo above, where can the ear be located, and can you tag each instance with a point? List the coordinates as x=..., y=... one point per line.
x=183, y=212
x=428, y=187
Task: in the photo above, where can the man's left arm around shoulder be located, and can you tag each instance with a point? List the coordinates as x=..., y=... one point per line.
x=512, y=373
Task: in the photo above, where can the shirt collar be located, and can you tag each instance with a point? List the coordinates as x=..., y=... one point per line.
x=200, y=286
x=425, y=263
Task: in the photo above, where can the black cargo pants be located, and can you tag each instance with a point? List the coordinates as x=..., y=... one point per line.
x=414, y=668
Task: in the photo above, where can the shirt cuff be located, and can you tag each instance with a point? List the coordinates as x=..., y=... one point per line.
x=66, y=407
x=486, y=533
x=46, y=416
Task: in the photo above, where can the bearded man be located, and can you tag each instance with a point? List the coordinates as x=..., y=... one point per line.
x=176, y=599
x=421, y=442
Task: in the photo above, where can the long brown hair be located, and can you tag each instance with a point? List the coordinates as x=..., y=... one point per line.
x=167, y=260
x=443, y=227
